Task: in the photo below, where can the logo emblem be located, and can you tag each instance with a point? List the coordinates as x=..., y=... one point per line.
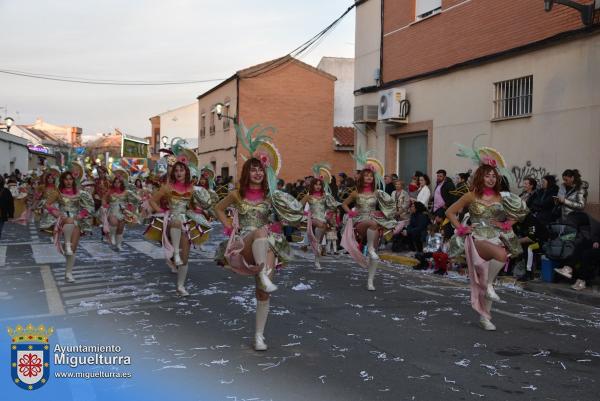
x=30, y=356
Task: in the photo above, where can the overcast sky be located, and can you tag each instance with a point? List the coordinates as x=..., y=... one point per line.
x=146, y=40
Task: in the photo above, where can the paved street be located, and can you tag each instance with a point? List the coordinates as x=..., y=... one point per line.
x=416, y=338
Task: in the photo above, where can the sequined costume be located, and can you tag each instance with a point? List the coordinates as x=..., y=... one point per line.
x=77, y=205
x=279, y=207
x=124, y=205
x=377, y=206
x=47, y=220
x=320, y=206
x=481, y=216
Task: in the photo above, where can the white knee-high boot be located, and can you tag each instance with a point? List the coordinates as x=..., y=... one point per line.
x=175, y=240
x=372, y=269
x=494, y=267
x=68, y=233
x=69, y=268
x=262, y=311
x=181, y=275
x=319, y=234
x=260, y=249
x=371, y=238
x=112, y=231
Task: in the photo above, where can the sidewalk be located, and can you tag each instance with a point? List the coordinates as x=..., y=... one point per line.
x=589, y=296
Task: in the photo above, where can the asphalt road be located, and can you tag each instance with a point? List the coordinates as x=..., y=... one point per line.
x=415, y=338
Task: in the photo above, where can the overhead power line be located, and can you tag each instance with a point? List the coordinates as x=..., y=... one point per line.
x=88, y=81
x=300, y=51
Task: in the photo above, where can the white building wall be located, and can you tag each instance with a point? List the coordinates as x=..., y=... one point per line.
x=13, y=153
x=562, y=132
x=343, y=103
x=181, y=122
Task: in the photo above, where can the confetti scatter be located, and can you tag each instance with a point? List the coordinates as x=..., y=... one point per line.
x=301, y=287
x=463, y=362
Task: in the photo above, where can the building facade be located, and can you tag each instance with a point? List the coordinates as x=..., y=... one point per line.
x=14, y=153
x=295, y=98
x=525, y=78
x=181, y=122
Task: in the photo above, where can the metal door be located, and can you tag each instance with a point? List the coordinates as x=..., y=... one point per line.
x=411, y=155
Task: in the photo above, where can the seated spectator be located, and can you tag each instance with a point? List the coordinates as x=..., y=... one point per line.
x=542, y=206
x=402, y=200
x=416, y=231
x=389, y=185
x=588, y=258
x=529, y=191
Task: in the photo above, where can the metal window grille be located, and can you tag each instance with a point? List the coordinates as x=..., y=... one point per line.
x=513, y=98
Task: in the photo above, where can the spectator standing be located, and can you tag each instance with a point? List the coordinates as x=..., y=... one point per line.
x=424, y=193
x=542, y=205
x=442, y=195
x=389, y=185
x=572, y=195
x=7, y=208
x=402, y=201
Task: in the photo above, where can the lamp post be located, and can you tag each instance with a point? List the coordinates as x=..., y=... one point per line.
x=586, y=10
x=9, y=122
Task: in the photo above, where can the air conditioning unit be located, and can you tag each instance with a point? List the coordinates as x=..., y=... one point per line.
x=365, y=114
x=393, y=106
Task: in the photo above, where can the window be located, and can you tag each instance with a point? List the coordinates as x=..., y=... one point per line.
x=226, y=121
x=513, y=98
x=211, y=129
x=224, y=172
x=203, y=126
x=427, y=8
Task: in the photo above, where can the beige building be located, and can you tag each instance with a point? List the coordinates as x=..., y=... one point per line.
x=535, y=95
x=181, y=122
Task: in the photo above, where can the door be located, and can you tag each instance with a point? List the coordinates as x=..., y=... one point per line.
x=411, y=155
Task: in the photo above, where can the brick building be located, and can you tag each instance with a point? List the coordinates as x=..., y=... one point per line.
x=526, y=78
x=295, y=98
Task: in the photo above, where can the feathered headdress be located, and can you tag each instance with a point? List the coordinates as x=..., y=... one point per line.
x=256, y=141
x=208, y=173
x=489, y=156
x=323, y=171
x=367, y=161
x=184, y=155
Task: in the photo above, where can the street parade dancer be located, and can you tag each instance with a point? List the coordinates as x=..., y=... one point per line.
x=180, y=224
x=322, y=206
x=373, y=217
x=73, y=215
x=101, y=187
x=256, y=245
x=120, y=207
x=489, y=242
x=46, y=187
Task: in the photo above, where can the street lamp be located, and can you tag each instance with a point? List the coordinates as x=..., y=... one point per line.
x=218, y=109
x=586, y=10
x=164, y=140
x=9, y=122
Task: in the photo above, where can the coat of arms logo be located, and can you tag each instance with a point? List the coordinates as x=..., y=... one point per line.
x=30, y=355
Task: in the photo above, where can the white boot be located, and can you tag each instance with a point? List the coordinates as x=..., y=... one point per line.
x=494, y=268
x=181, y=275
x=486, y=324
x=113, y=232
x=175, y=240
x=319, y=235
x=119, y=242
x=262, y=311
x=372, y=269
x=69, y=269
x=68, y=233
x=260, y=249
x=334, y=247
x=372, y=236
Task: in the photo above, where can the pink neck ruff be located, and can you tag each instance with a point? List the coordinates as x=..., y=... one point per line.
x=179, y=186
x=68, y=191
x=489, y=191
x=253, y=194
x=367, y=189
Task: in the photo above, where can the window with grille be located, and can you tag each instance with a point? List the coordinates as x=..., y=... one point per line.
x=202, y=126
x=513, y=98
x=211, y=129
x=427, y=8
x=226, y=121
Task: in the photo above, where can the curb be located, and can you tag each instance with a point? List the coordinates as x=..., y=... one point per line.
x=588, y=296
